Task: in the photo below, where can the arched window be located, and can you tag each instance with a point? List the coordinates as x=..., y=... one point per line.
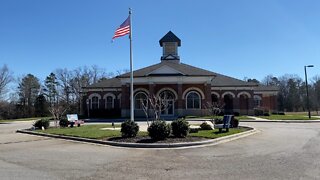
x=109, y=102
x=94, y=102
x=193, y=100
x=214, y=98
x=257, y=101
x=140, y=99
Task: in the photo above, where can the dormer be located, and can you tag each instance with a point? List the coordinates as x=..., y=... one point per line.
x=170, y=43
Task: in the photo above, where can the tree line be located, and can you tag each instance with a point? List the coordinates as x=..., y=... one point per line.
x=60, y=92
x=292, y=95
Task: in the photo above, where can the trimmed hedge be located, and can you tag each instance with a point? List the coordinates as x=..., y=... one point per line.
x=129, y=129
x=159, y=130
x=180, y=128
x=42, y=123
x=64, y=123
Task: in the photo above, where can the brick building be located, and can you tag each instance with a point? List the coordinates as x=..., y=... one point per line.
x=188, y=89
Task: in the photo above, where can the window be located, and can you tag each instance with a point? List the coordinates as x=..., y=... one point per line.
x=109, y=102
x=257, y=101
x=140, y=98
x=214, y=98
x=193, y=100
x=94, y=102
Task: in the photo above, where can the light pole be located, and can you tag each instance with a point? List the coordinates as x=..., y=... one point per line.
x=305, y=74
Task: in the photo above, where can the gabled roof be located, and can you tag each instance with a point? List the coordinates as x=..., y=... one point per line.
x=225, y=81
x=184, y=69
x=107, y=83
x=266, y=88
x=170, y=37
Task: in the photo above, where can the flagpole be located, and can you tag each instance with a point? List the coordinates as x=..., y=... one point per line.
x=131, y=69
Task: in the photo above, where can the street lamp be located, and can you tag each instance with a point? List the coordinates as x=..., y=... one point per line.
x=305, y=74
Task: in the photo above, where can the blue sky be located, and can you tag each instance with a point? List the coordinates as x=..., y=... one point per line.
x=238, y=38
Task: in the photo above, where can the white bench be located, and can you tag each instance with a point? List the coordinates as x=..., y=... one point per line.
x=226, y=123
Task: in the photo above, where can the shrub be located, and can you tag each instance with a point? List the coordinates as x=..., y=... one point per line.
x=266, y=114
x=281, y=113
x=218, y=121
x=129, y=129
x=258, y=112
x=180, y=128
x=234, y=122
x=193, y=130
x=205, y=126
x=63, y=123
x=42, y=123
x=159, y=130
x=236, y=114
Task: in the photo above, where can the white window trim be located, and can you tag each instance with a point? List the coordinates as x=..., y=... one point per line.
x=135, y=99
x=105, y=99
x=245, y=93
x=228, y=92
x=169, y=89
x=94, y=95
x=186, y=99
x=202, y=96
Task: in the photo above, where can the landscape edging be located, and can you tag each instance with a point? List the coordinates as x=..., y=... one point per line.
x=144, y=145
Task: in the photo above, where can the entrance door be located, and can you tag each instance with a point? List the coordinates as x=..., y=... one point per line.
x=168, y=111
x=168, y=103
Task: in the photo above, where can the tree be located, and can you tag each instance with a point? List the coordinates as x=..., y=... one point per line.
x=5, y=79
x=270, y=80
x=41, y=106
x=51, y=89
x=28, y=90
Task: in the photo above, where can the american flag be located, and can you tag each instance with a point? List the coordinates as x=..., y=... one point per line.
x=124, y=29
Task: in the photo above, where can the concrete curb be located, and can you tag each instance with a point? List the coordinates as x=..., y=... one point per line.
x=145, y=145
x=283, y=121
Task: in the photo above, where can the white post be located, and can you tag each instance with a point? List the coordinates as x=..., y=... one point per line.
x=131, y=69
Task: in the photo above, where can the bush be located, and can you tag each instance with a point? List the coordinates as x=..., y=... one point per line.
x=63, y=123
x=180, y=128
x=281, y=113
x=218, y=121
x=42, y=123
x=129, y=129
x=258, y=112
x=193, y=130
x=159, y=130
x=234, y=122
x=205, y=126
x=266, y=114
x=236, y=114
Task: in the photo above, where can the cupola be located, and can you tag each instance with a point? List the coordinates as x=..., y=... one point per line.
x=170, y=43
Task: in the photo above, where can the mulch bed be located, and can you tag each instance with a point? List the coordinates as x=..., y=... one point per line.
x=146, y=139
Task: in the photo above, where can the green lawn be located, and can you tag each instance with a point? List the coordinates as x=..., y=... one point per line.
x=88, y=131
x=95, y=132
x=288, y=117
x=220, y=117
x=23, y=119
x=212, y=134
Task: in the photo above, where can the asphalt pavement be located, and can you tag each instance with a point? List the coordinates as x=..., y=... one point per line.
x=279, y=151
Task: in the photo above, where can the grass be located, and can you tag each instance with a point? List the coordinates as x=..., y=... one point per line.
x=220, y=117
x=88, y=131
x=24, y=119
x=95, y=132
x=212, y=134
x=288, y=117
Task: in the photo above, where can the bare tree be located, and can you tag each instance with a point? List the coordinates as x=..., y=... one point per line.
x=158, y=104
x=214, y=109
x=5, y=79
